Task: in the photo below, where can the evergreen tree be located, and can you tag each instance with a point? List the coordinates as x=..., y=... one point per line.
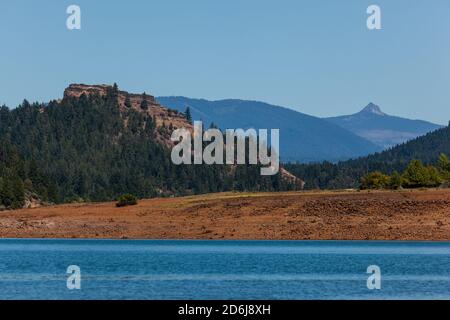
x=25, y=104
x=188, y=115
x=213, y=126
x=128, y=101
x=112, y=92
x=415, y=175
x=18, y=193
x=444, y=164
x=434, y=178
x=144, y=102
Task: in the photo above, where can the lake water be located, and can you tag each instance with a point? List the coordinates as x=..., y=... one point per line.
x=134, y=269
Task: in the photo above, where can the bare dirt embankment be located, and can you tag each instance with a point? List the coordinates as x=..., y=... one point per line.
x=350, y=215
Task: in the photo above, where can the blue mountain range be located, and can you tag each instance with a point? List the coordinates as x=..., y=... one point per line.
x=305, y=138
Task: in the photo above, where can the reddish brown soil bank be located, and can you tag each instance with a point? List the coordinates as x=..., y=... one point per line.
x=396, y=215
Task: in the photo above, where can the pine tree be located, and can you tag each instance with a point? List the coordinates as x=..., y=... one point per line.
x=127, y=101
x=444, y=163
x=188, y=115
x=416, y=175
x=144, y=102
x=18, y=192
x=6, y=196
x=25, y=104
x=213, y=126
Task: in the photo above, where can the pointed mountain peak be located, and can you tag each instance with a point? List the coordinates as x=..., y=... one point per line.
x=373, y=108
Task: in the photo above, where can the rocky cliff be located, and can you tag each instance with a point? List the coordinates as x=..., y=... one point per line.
x=159, y=113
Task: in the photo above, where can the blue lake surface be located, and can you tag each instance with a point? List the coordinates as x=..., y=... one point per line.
x=135, y=269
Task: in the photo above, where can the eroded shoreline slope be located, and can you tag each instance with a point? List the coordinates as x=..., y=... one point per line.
x=345, y=215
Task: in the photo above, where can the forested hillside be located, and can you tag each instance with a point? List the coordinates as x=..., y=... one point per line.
x=21, y=180
x=95, y=147
x=348, y=174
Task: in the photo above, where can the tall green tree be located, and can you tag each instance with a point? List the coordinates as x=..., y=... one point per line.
x=444, y=166
x=188, y=115
x=144, y=102
x=417, y=175
x=127, y=101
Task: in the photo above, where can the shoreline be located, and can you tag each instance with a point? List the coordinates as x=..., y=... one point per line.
x=407, y=215
x=227, y=240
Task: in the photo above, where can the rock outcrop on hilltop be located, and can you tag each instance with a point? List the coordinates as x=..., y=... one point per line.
x=161, y=114
x=163, y=117
x=76, y=90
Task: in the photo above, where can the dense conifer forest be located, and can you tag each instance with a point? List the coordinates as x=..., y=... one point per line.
x=88, y=149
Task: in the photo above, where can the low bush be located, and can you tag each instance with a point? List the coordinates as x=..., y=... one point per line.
x=374, y=180
x=126, y=200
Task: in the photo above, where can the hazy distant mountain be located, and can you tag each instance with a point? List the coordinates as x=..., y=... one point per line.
x=382, y=129
x=302, y=137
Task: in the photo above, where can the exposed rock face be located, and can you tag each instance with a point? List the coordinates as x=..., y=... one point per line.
x=76, y=90
x=373, y=108
x=287, y=176
x=161, y=115
x=32, y=200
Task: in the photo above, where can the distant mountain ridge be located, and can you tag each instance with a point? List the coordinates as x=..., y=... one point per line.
x=303, y=137
x=382, y=129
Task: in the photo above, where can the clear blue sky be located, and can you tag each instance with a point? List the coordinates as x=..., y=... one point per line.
x=314, y=56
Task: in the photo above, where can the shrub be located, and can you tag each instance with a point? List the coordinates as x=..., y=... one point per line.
x=126, y=200
x=417, y=175
x=444, y=167
x=395, y=181
x=374, y=180
x=434, y=178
